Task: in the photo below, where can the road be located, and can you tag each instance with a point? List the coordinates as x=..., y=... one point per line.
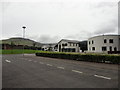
x=31, y=71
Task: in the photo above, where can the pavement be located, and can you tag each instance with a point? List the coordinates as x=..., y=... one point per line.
x=30, y=71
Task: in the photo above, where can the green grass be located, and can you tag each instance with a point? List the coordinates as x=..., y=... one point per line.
x=17, y=51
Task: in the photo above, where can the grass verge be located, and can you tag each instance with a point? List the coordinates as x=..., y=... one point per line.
x=17, y=51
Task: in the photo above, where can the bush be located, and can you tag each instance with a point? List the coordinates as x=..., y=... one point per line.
x=114, y=59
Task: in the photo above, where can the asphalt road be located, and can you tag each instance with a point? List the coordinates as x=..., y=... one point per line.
x=31, y=71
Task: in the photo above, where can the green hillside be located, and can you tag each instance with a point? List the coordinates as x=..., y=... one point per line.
x=21, y=41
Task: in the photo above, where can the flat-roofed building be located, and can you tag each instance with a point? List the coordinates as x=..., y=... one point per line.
x=104, y=43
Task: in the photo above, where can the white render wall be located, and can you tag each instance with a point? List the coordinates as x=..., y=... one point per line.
x=99, y=43
x=77, y=48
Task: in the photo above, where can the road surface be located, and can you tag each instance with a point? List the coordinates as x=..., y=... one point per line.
x=31, y=71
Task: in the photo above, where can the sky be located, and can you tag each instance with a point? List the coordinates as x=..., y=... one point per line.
x=48, y=21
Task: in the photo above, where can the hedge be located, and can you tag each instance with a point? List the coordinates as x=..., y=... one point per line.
x=114, y=59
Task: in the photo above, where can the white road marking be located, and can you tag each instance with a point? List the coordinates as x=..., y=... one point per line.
x=102, y=77
x=60, y=67
x=41, y=63
x=49, y=65
x=77, y=71
x=8, y=61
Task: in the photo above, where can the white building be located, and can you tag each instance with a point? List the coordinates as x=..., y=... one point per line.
x=48, y=46
x=67, y=46
x=104, y=43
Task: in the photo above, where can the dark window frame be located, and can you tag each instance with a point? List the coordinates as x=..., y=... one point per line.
x=92, y=42
x=115, y=48
x=105, y=40
x=76, y=44
x=89, y=42
x=104, y=48
x=111, y=41
x=110, y=48
x=93, y=48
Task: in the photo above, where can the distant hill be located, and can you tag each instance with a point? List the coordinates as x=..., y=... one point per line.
x=52, y=44
x=21, y=41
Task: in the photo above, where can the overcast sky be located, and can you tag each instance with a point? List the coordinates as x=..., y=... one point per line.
x=48, y=21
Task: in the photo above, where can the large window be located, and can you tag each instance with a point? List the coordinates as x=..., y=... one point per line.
x=76, y=44
x=104, y=48
x=93, y=48
x=89, y=42
x=110, y=48
x=60, y=48
x=64, y=44
x=92, y=42
x=111, y=41
x=115, y=49
x=105, y=40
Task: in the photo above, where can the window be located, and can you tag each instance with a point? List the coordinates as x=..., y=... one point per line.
x=92, y=42
x=110, y=48
x=62, y=44
x=70, y=44
x=104, y=48
x=65, y=44
x=76, y=44
x=93, y=48
x=89, y=42
x=111, y=41
x=115, y=49
x=105, y=40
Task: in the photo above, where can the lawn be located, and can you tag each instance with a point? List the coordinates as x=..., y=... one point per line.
x=17, y=51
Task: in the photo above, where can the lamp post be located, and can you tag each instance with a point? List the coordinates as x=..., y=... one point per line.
x=23, y=37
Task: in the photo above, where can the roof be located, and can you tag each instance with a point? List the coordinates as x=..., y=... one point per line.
x=104, y=35
x=48, y=44
x=70, y=41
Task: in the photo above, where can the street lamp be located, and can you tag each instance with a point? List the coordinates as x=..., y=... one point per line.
x=23, y=37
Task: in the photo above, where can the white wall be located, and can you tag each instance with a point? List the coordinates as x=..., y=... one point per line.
x=68, y=45
x=99, y=42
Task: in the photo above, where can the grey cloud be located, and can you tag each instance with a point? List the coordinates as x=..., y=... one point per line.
x=48, y=39
x=65, y=19
x=80, y=36
x=107, y=27
x=44, y=38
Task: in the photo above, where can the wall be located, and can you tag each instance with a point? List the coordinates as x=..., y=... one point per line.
x=77, y=49
x=99, y=42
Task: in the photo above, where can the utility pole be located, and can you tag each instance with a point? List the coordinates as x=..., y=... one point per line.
x=23, y=37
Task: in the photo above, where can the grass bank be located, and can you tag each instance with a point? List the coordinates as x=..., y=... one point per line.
x=17, y=51
x=99, y=58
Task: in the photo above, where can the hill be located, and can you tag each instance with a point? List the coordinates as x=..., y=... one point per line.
x=21, y=41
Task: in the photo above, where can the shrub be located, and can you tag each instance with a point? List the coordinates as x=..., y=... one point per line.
x=114, y=59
